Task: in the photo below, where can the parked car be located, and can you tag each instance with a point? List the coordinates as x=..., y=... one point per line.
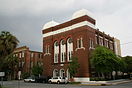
x=58, y=80
x=29, y=79
x=42, y=79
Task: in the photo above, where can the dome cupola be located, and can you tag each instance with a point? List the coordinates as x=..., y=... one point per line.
x=50, y=24
x=82, y=13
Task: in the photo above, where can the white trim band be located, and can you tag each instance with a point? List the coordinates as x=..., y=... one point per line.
x=69, y=28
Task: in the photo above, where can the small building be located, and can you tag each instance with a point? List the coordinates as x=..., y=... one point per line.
x=28, y=58
x=117, y=47
x=77, y=37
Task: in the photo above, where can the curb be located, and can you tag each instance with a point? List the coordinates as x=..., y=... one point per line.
x=106, y=84
x=96, y=84
x=121, y=82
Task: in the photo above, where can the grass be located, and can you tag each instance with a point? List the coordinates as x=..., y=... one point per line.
x=3, y=87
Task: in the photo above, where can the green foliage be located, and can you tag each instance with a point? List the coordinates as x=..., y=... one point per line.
x=104, y=60
x=128, y=61
x=122, y=65
x=8, y=43
x=25, y=75
x=73, y=66
x=36, y=70
x=11, y=60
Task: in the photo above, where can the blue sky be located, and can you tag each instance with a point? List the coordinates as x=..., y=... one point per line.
x=25, y=18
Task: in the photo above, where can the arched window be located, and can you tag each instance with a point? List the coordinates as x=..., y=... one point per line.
x=63, y=51
x=62, y=73
x=68, y=74
x=56, y=52
x=69, y=48
x=55, y=73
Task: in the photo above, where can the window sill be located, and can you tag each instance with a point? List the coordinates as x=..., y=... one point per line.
x=47, y=54
x=80, y=48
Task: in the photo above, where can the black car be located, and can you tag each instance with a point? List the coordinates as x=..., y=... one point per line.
x=42, y=79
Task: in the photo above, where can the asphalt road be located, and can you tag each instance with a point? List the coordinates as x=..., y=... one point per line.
x=21, y=84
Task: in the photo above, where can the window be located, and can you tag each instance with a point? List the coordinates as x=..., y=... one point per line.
x=56, y=52
x=62, y=73
x=91, y=44
x=101, y=41
x=39, y=55
x=20, y=55
x=96, y=39
x=32, y=55
x=63, y=50
x=47, y=49
x=79, y=43
x=69, y=49
x=23, y=54
x=106, y=43
x=55, y=73
x=111, y=45
x=31, y=64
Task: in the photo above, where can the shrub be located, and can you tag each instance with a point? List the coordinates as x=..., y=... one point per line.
x=97, y=79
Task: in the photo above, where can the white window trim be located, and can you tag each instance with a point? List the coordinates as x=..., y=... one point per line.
x=63, y=47
x=56, y=53
x=82, y=47
x=47, y=50
x=69, y=45
x=91, y=44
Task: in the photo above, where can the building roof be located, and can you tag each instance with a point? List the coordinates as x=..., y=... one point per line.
x=77, y=14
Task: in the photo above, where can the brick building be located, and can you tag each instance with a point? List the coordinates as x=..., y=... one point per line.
x=28, y=58
x=76, y=37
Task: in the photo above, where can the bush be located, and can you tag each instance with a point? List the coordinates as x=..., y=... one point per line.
x=25, y=75
x=97, y=79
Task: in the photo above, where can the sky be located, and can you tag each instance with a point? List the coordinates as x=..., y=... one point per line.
x=25, y=18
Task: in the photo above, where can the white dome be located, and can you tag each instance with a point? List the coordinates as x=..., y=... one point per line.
x=50, y=24
x=82, y=13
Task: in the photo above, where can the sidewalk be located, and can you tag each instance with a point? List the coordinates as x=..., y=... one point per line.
x=106, y=83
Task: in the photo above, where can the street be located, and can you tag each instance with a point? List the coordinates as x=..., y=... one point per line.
x=21, y=84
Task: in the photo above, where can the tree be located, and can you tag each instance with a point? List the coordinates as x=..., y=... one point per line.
x=8, y=43
x=128, y=61
x=73, y=66
x=11, y=62
x=122, y=66
x=104, y=60
x=37, y=70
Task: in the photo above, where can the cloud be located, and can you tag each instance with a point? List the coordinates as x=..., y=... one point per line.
x=25, y=18
x=33, y=6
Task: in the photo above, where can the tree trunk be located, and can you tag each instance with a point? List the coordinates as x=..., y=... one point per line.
x=103, y=75
x=99, y=75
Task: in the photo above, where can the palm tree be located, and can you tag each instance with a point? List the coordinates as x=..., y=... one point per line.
x=8, y=43
x=12, y=65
